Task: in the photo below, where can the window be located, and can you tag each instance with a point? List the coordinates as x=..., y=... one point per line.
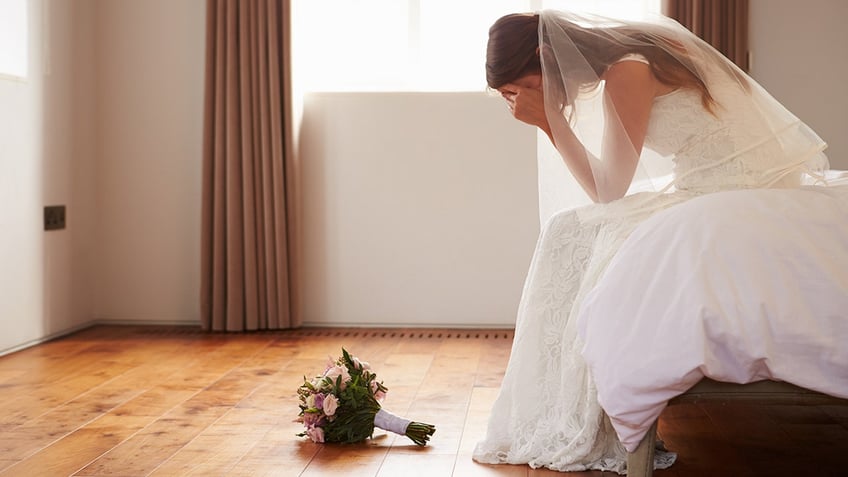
x=13, y=38
x=410, y=45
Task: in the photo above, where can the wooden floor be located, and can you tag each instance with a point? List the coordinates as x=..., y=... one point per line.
x=135, y=401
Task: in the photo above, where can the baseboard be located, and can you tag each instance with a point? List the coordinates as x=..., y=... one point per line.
x=44, y=339
x=452, y=326
x=147, y=322
x=89, y=324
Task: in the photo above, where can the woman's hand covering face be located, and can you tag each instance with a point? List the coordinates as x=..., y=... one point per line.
x=526, y=103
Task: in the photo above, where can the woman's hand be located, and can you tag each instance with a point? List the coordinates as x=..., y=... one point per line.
x=526, y=105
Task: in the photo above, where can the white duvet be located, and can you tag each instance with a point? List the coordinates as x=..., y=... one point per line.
x=736, y=286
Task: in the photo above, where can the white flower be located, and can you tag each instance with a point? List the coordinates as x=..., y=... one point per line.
x=331, y=403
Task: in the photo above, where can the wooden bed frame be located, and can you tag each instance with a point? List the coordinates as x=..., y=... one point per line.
x=641, y=462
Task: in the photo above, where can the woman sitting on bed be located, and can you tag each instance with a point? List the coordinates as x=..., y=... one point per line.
x=606, y=92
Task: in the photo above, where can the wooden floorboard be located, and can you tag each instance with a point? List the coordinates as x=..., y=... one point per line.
x=166, y=401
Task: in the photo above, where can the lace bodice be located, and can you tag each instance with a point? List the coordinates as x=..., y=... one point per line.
x=730, y=149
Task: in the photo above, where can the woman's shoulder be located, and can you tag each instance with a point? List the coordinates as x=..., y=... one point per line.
x=630, y=69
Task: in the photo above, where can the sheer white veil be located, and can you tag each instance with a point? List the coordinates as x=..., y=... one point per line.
x=575, y=52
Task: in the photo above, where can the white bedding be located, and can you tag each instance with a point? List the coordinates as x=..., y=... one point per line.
x=736, y=286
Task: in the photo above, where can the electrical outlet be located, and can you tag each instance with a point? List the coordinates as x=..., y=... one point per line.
x=54, y=217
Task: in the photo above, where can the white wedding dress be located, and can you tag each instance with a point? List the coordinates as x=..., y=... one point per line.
x=547, y=413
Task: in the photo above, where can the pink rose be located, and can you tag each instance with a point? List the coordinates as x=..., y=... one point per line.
x=377, y=392
x=360, y=364
x=330, y=363
x=316, y=434
x=337, y=371
x=331, y=403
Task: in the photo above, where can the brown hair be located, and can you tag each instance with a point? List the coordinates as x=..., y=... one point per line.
x=512, y=52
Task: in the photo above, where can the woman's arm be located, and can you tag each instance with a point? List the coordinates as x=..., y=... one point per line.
x=527, y=105
x=630, y=90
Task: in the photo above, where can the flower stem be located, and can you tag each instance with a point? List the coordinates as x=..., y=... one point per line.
x=420, y=432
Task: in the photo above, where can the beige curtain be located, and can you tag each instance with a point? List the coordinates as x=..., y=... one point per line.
x=721, y=23
x=249, y=236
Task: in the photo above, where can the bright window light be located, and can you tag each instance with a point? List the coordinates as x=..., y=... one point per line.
x=13, y=38
x=410, y=45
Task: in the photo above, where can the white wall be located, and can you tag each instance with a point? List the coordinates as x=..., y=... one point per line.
x=108, y=123
x=46, y=158
x=799, y=55
x=419, y=209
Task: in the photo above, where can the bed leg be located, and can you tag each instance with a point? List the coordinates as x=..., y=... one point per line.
x=641, y=462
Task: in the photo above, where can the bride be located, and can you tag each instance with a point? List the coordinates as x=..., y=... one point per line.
x=607, y=93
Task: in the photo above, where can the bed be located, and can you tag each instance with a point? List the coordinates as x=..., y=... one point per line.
x=640, y=462
x=740, y=295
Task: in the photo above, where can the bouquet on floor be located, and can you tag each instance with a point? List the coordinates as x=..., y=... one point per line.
x=343, y=405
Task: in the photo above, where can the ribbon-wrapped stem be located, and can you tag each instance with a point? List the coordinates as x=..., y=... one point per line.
x=419, y=432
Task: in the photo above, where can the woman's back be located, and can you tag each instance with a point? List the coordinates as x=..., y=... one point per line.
x=738, y=145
